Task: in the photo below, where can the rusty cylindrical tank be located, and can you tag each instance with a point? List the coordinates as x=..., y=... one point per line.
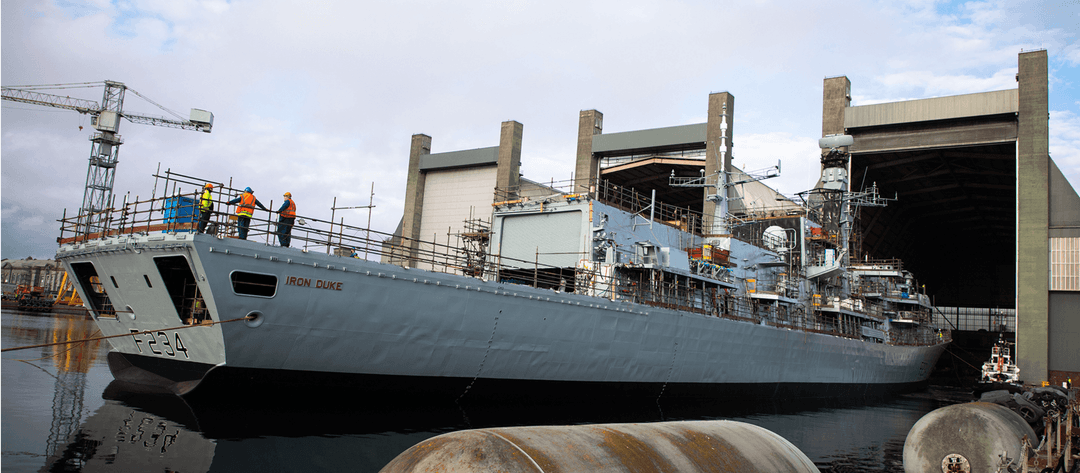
x=692, y=446
x=977, y=436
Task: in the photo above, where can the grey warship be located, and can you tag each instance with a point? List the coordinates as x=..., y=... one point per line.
x=587, y=292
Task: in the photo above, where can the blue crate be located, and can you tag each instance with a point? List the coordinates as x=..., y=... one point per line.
x=180, y=209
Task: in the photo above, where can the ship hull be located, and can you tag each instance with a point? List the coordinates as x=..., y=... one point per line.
x=378, y=329
x=270, y=385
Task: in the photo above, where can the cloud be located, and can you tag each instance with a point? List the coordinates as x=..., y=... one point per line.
x=1065, y=144
x=934, y=85
x=321, y=98
x=799, y=158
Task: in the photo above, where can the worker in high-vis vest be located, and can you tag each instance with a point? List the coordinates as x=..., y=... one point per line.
x=286, y=217
x=206, y=207
x=245, y=209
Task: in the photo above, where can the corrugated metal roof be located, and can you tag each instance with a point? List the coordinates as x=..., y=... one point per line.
x=456, y=159
x=940, y=108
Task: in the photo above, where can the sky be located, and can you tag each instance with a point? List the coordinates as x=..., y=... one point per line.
x=321, y=98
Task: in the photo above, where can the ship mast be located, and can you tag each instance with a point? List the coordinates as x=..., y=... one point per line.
x=838, y=203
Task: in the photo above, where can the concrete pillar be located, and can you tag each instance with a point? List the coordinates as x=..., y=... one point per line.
x=837, y=97
x=414, y=197
x=507, y=177
x=1032, y=218
x=718, y=130
x=590, y=124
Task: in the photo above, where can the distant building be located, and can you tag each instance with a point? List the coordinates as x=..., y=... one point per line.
x=32, y=272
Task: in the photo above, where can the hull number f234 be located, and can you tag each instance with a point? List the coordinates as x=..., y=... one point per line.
x=159, y=343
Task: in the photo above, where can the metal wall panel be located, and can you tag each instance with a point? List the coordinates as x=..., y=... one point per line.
x=1064, y=333
x=522, y=236
x=450, y=198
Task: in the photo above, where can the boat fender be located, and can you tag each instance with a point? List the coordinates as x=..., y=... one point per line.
x=977, y=436
x=1015, y=402
x=689, y=446
x=1027, y=409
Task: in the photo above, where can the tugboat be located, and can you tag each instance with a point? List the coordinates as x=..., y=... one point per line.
x=1000, y=372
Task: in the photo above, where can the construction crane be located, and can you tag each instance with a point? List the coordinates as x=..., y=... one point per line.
x=105, y=143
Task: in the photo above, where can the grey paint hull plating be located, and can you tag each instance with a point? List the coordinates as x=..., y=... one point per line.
x=387, y=321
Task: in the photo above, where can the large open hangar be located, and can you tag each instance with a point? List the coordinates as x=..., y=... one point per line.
x=953, y=175
x=983, y=215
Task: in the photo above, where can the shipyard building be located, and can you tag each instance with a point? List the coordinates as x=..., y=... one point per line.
x=982, y=213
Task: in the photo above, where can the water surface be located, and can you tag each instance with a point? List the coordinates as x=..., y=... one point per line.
x=63, y=412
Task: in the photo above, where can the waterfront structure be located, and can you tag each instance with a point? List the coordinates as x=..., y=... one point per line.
x=984, y=216
x=47, y=274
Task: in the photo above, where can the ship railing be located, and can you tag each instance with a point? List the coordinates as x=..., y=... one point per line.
x=856, y=304
x=904, y=295
x=529, y=190
x=691, y=296
x=919, y=337
x=872, y=288
x=628, y=199
x=775, y=284
x=178, y=212
x=889, y=263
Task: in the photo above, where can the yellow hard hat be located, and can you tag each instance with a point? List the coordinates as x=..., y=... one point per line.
x=288, y=194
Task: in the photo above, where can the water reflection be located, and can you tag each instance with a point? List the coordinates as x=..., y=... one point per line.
x=65, y=413
x=46, y=383
x=122, y=438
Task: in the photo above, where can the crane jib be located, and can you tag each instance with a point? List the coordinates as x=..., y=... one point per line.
x=105, y=144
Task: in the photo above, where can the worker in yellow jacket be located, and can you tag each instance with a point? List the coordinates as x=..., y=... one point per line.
x=206, y=206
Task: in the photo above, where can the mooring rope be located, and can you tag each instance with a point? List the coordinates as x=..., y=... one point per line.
x=54, y=355
x=961, y=359
x=83, y=340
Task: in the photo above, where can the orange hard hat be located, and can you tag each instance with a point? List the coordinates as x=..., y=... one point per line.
x=209, y=185
x=288, y=194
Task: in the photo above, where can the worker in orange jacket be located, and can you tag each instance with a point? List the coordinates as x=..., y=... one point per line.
x=286, y=217
x=246, y=208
